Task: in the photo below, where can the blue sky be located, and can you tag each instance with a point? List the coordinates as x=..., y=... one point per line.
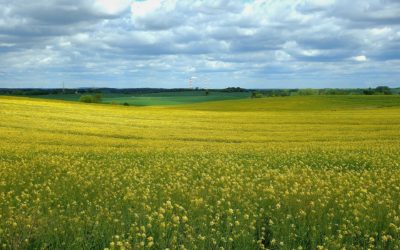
x=217, y=43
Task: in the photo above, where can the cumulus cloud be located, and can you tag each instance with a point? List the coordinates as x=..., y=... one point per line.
x=160, y=43
x=360, y=58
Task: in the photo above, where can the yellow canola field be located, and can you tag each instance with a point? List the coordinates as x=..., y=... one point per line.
x=79, y=176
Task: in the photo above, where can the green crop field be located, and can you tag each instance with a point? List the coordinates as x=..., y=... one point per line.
x=151, y=99
x=302, y=172
x=175, y=98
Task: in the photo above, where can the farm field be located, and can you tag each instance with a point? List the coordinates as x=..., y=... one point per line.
x=304, y=172
x=151, y=99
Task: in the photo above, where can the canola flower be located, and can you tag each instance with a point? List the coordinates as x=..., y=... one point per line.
x=75, y=176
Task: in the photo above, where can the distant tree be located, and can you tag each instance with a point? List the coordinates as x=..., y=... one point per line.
x=125, y=104
x=96, y=98
x=284, y=92
x=233, y=89
x=276, y=92
x=207, y=92
x=86, y=99
x=308, y=92
x=368, y=91
x=256, y=94
x=383, y=90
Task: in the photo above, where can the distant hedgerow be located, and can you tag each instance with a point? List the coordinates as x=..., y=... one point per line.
x=96, y=98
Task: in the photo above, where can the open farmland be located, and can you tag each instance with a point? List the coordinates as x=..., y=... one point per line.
x=174, y=98
x=277, y=173
x=151, y=99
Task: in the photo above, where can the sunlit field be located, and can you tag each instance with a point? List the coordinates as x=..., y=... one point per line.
x=272, y=173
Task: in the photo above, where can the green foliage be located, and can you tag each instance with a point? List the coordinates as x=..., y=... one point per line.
x=380, y=90
x=86, y=99
x=96, y=98
x=336, y=92
x=383, y=90
x=256, y=94
x=278, y=92
x=234, y=89
x=308, y=92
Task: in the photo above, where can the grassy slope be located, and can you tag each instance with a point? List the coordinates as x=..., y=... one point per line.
x=73, y=176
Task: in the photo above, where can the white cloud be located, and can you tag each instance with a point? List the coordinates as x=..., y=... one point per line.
x=381, y=31
x=320, y=3
x=7, y=44
x=112, y=7
x=360, y=58
x=143, y=8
